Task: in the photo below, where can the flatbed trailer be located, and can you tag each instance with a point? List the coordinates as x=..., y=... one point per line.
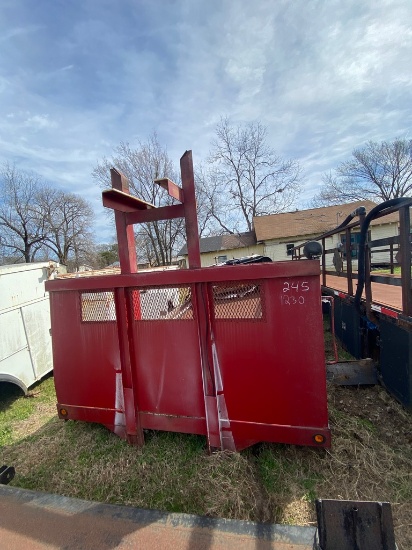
x=373, y=309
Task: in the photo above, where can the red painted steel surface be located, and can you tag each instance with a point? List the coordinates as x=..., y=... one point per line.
x=123, y=202
x=125, y=232
x=272, y=366
x=87, y=370
x=192, y=230
x=173, y=190
x=238, y=358
x=303, y=268
x=155, y=214
x=168, y=369
x=78, y=344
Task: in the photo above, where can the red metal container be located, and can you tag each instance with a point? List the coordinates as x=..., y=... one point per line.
x=239, y=358
x=235, y=353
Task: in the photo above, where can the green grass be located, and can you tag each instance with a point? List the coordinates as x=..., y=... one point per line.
x=15, y=408
x=397, y=270
x=271, y=468
x=281, y=474
x=367, y=424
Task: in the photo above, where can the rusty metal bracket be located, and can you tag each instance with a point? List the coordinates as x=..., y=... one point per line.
x=353, y=525
x=7, y=473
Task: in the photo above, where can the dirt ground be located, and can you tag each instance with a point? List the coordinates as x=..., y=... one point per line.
x=375, y=405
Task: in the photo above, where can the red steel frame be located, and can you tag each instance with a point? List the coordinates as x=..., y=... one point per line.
x=244, y=364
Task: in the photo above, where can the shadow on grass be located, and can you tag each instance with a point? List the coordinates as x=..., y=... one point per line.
x=9, y=394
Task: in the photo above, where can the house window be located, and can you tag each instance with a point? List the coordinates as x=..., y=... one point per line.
x=221, y=259
x=289, y=248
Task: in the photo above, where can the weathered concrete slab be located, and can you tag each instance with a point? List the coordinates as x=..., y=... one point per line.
x=40, y=521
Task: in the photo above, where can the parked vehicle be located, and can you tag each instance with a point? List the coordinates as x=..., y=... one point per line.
x=25, y=334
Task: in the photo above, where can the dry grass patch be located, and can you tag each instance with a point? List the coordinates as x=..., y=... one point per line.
x=370, y=460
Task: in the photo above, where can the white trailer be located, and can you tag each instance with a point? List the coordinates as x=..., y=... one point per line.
x=25, y=334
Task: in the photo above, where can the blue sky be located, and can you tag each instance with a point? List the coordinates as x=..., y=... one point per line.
x=78, y=77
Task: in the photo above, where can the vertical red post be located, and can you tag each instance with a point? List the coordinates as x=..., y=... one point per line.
x=192, y=231
x=134, y=431
x=200, y=301
x=125, y=233
x=201, y=304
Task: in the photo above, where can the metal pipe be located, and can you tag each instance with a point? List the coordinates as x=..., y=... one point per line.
x=362, y=242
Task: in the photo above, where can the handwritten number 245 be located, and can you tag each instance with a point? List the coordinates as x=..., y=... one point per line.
x=297, y=287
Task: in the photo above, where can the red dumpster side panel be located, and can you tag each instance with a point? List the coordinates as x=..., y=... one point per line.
x=240, y=360
x=272, y=365
x=168, y=368
x=85, y=355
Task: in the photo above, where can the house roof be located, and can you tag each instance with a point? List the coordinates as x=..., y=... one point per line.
x=223, y=242
x=309, y=222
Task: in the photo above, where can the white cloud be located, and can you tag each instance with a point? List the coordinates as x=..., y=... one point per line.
x=19, y=31
x=40, y=122
x=323, y=76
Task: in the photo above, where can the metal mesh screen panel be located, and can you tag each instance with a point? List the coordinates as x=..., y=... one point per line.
x=97, y=306
x=238, y=300
x=166, y=303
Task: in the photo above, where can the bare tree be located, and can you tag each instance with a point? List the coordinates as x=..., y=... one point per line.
x=38, y=222
x=22, y=228
x=246, y=177
x=159, y=240
x=68, y=219
x=378, y=171
x=207, y=224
